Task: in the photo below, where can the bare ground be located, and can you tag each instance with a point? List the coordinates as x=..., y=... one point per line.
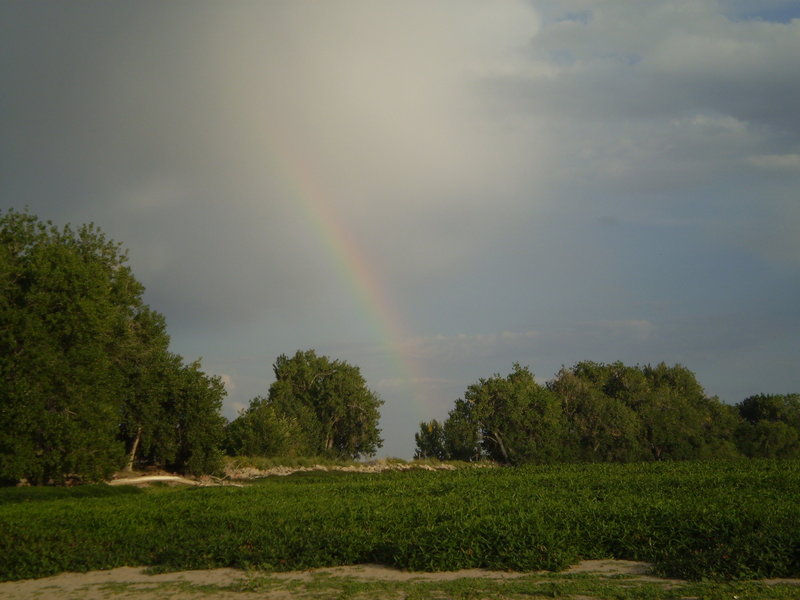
x=135, y=583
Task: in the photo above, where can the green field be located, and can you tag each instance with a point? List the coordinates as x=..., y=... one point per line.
x=717, y=520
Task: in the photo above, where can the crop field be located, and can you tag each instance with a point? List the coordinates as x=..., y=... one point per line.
x=693, y=520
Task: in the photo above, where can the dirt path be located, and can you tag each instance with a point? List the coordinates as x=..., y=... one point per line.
x=134, y=583
x=359, y=581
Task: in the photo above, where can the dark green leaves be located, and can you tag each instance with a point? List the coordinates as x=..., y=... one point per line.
x=723, y=519
x=85, y=372
x=329, y=400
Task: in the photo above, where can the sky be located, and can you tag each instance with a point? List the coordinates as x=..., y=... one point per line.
x=431, y=191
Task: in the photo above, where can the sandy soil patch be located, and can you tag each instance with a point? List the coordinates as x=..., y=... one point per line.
x=235, y=475
x=133, y=582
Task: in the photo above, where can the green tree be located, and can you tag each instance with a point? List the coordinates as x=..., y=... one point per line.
x=194, y=404
x=771, y=427
x=771, y=407
x=681, y=422
x=615, y=380
x=329, y=399
x=622, y=413
x=143, y=425
x=260, y=431
x=68, y=299
x=520, y=421
x=430, y=441
x=599, y=427
x=85, y=375
x=462, y=435
x=769, y=439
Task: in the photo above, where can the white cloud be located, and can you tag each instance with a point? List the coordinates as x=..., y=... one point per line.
x=781, y=163
x=467, y=346
x=404, y=382
x=227, y=381
x=237, y=407
x=637, y=330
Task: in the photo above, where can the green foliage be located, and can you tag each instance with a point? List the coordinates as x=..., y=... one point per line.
x=171, y=418
x=599, y=427
x=68, y=300
x=519, y=420
x=769, y=439
x=721, y=520
x=261, y=431
x=430, y=441
x=335, y=411
x=771, y=427
x=144, y=427
x=598, y=412
x=85, y=374
x=771, y=407
x=9, y=495
x=462, y=434
x=197, y=425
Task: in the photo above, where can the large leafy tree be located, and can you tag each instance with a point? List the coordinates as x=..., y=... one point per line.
x=771, y=427
x=144, y=426
x=85, y=375
x=784, y=408
x=457, y=438
x=681, y=421
x=462, y=434
x=599, y=427
x=329, y=399
x=68, y=300
x=430, y=441
x=509, y=419
x=520, y=421
x=193, y=405
x=170, y=413
x=619, y=412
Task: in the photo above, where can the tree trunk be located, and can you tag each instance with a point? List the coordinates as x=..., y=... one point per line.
x=499, y=441
x=134, y=447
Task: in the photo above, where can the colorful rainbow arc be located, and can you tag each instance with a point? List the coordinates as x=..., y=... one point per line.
x=352, y=263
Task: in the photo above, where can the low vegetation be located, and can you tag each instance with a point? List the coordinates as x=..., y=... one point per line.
x=745, y=523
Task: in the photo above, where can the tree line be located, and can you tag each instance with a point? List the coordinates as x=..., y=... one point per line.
x=89, y=386
x=87, y=382
x=608, y=413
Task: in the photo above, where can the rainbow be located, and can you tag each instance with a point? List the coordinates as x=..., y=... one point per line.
x=351, y=262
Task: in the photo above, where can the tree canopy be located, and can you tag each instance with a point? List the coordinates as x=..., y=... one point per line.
x=84, y=365
x=316, y=406
x=609, y=412
x=771, y=427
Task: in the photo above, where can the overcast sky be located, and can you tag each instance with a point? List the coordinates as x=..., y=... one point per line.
x=431, y=190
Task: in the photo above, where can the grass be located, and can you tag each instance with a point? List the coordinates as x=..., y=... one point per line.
x=12, y=495
x=720, y=520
